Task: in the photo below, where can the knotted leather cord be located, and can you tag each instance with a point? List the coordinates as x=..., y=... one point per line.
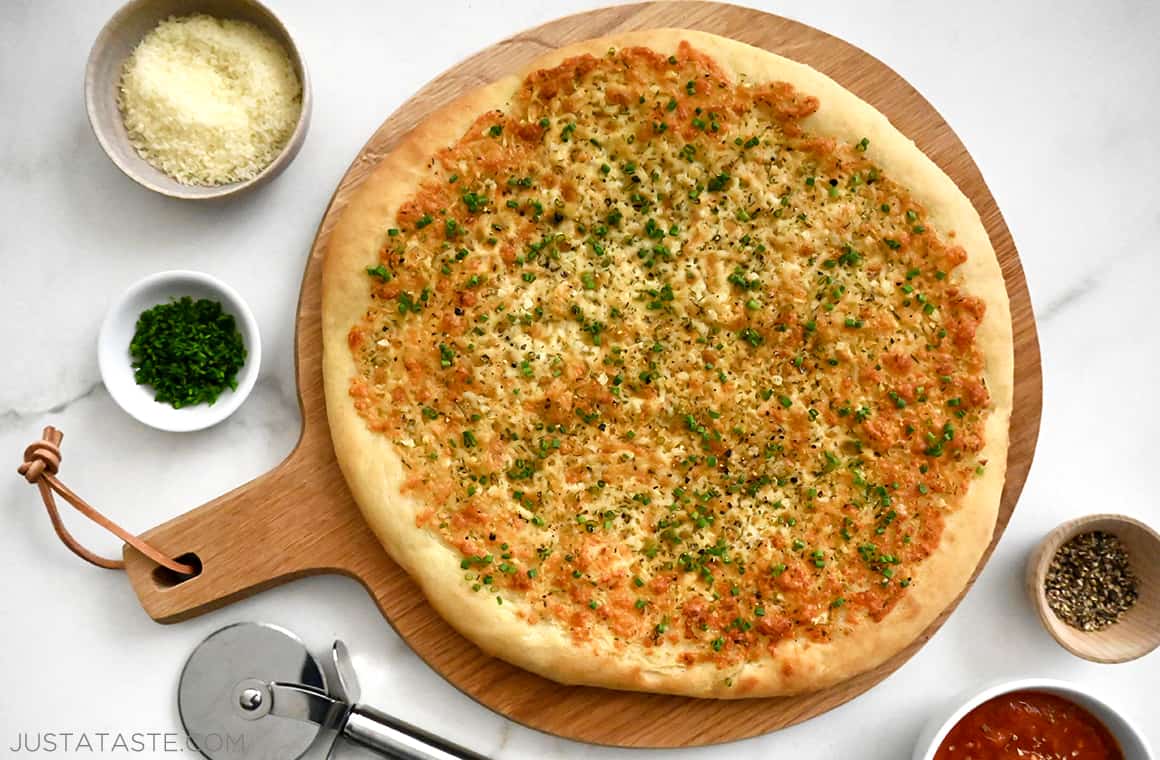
x=41, y=463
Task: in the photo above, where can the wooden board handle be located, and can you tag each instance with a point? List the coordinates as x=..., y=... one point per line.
x=265, y=533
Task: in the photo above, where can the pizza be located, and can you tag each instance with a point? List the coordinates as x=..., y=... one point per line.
x=670, y=365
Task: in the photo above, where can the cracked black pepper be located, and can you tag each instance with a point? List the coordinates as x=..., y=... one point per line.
x=1089, y=582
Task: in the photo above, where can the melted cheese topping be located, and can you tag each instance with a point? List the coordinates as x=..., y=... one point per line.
x=667, y=368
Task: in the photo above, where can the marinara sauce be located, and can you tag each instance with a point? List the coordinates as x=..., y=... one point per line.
x=1029, y=724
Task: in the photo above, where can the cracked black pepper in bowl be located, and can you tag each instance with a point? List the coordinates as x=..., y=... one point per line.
x=1090, y=583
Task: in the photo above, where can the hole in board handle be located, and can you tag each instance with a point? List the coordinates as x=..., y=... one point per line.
x=163, y=577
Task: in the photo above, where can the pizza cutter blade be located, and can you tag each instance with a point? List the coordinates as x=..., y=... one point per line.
x=253, y=691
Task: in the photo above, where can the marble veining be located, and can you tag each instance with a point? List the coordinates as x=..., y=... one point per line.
x=1056, y=101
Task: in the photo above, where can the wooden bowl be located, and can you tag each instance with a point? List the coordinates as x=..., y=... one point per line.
x=1136, y=633
x=103, y=76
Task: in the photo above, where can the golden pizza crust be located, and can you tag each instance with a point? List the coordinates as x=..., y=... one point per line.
x=374, y=470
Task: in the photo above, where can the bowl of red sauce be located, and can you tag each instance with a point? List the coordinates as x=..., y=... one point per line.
x=1032, y=719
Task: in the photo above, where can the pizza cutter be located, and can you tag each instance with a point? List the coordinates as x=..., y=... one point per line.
x=253, y=691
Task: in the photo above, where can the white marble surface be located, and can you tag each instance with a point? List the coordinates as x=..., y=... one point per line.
x=1057, y=101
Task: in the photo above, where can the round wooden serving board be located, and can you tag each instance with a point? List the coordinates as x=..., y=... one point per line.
x=300, y=520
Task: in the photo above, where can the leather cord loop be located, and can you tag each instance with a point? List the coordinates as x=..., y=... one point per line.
x=40, y=466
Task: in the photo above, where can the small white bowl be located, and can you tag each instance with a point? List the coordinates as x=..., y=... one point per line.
x=121, y=323
x=1132, y=741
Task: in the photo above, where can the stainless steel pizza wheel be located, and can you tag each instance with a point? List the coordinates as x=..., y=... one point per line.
x=252, y=691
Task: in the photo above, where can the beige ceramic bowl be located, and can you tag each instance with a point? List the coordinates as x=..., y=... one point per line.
x=103, y=75
x=1136, y=633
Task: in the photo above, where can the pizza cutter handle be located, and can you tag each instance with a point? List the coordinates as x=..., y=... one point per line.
x=398, y=739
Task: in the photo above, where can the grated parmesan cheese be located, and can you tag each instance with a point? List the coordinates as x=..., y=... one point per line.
x=209, y=101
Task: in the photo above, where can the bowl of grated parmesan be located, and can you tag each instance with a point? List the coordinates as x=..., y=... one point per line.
x=197, y=99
